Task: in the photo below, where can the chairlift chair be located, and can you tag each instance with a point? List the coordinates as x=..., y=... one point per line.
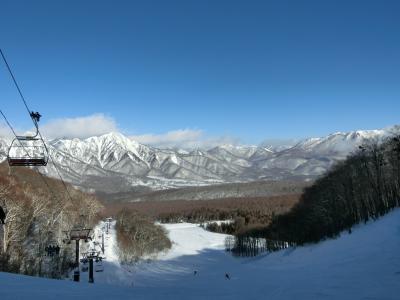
x=27, y=151
x=99, y=265
x=85, y=265
x=84, y=268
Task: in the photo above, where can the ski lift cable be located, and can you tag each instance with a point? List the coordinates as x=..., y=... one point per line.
x=16, y=84
x=48, y=186
x=34, y=122
x=8, y=123
x=13, y=131
x=56, y=167
x=23, y=147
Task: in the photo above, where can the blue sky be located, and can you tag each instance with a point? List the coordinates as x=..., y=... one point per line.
x=246, y=70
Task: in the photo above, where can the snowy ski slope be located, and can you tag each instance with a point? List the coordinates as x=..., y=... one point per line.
x=361, y=265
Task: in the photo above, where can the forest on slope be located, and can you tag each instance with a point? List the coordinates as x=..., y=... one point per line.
x=244, y=213
x=363, y=187
x=39, y=211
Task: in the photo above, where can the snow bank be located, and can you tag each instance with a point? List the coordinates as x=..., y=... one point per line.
x=361, y=265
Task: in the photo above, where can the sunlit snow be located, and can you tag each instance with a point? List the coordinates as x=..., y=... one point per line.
x=361, y=265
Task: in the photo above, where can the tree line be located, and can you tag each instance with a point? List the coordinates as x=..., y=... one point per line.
x=245, y=213
x=363, y=187
x=245, y=245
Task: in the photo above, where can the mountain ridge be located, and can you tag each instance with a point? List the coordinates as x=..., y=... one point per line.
x=115, y=162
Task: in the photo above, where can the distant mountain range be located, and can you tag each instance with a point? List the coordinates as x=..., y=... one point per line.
x=115, y=163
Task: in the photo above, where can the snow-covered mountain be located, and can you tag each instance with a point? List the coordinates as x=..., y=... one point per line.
x=114, y=162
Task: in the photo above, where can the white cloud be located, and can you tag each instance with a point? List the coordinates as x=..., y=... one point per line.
x=171, y=137
x=183, y=138
x=79, y=127
x=4, y=131
x=98, y=124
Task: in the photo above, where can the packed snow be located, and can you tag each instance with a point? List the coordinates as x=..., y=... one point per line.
x=361, y=265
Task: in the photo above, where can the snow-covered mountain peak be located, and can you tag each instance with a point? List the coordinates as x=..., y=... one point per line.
x=107, y=149
x=234, y=147
x=113, y=138
x=241, y=151
x=115, y=161
x=344, y=142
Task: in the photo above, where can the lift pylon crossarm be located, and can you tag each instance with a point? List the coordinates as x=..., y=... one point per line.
x=80, y=234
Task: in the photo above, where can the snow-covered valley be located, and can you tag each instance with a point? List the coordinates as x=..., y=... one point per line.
x=361, y=265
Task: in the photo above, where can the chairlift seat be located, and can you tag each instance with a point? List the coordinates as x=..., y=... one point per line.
x=99, y=267
x=27, y=151
x=23, y=161
x=85, y=268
